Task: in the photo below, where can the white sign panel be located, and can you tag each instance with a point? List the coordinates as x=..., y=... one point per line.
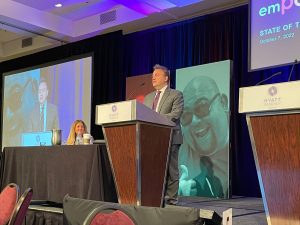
x=271, y=97
x=129, y=111
x=113, y=112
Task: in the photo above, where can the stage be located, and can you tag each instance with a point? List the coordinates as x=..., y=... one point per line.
x=246, y=210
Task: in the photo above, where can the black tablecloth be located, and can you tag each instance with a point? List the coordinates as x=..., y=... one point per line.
x=43, y=218
x=81, y=171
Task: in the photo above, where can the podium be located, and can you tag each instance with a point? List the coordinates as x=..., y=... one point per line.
x=273, y=119
x=138, y=141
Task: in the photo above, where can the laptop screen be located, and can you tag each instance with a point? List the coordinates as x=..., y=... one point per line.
x=37, y=139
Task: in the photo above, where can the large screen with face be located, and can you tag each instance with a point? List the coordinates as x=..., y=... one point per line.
x=274, y=33
x=38, y=100
x=204, y=154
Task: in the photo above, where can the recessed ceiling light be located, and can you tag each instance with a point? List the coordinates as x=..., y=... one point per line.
x=58, y=5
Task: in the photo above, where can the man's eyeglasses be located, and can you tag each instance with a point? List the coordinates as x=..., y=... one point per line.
x=201, y=109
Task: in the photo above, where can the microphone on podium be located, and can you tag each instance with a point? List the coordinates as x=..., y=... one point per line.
x=294, y=64
x=268, y=78
x=135, y=91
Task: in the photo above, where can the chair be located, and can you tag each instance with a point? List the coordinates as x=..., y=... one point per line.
x=109, y=214
x=21, y=208
x=82, y=211
x=8, y=200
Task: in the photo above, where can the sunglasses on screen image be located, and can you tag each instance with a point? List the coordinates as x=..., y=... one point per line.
x=201, y=109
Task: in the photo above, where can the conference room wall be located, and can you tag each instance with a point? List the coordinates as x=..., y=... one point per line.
x=205, y=39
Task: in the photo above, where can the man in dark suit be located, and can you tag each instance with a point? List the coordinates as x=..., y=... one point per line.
x=44, y=116
x=169, y=103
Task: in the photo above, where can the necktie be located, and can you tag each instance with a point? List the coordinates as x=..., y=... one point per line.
x=155, y=101
x=42, y=118
x=209, y=187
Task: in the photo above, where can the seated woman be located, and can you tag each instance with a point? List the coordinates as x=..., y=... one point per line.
x=78, y=129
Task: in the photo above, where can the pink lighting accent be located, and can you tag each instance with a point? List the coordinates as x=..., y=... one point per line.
x=78, y=19
x=139, y=6
x=181, y=3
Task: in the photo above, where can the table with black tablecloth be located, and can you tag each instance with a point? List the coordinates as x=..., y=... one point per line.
x=82, y=171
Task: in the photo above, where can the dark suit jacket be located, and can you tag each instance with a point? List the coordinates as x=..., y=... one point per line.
x=203, y=190
x=52, y=118
x=170, y=106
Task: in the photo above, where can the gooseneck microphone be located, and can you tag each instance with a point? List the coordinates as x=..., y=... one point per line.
x=135, y=91
x=268, y=78
x=294, y=64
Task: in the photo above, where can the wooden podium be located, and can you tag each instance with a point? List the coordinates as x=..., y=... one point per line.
x=274, y=125
x=138, y=141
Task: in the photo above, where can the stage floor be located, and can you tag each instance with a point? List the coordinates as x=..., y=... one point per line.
x=245, y=210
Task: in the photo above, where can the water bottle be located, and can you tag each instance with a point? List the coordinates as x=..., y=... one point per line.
x=78, y=140
x=56, y=137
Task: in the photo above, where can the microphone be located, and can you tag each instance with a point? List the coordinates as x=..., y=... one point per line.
x=135, y=91
x=295, y=63
x=268, y=78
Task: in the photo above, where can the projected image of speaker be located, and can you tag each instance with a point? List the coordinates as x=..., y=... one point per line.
x=46, y=97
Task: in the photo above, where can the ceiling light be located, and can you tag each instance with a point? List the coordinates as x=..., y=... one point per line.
x=58, y=5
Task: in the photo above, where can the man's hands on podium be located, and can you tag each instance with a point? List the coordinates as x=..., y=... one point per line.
x=187, y=186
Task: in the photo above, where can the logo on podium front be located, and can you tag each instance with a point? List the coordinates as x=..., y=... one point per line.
x=273, y=100
x=114, y=108
x=273, y=90
x=114, y=115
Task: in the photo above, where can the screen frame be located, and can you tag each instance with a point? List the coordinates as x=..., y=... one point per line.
x=230, y=122
x=250, y=42
x=43, y=65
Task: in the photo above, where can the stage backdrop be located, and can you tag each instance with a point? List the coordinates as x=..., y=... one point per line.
x=138, y=87
x=204, y=154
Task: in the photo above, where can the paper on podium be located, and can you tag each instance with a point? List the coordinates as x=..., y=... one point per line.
x=127, y=111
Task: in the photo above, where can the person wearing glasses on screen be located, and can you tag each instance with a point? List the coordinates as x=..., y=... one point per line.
x=44, y=116
x=77, y=132
x=205, y=127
